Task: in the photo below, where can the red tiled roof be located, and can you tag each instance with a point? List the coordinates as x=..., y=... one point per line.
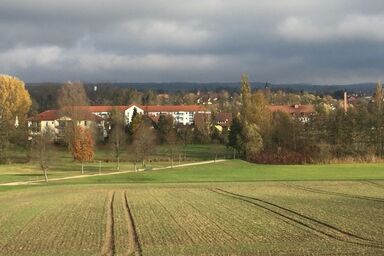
x=48, y=115
x=106, y=108
x=55, y=114
x=92, y=117
x=51, y=115
x=293, y=109
x=173, y=108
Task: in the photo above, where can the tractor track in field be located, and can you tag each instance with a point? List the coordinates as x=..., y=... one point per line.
x=325, y=192
x=173, y=218
x=316, y=226
x=229, y=210
x=373, y=183
x=109, y=242
x=202, y=213
x=132, y=227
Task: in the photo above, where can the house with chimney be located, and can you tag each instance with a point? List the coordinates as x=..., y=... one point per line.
x=223, y=120
x=301, y=112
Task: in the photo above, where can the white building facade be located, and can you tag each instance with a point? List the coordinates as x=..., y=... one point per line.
x=182, y=114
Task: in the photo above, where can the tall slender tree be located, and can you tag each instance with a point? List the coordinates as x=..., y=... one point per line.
x=72, y=101
x=378, y=118
x=245, y=98
x=251, y=139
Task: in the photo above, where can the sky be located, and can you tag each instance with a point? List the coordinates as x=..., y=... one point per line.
x=280, y=41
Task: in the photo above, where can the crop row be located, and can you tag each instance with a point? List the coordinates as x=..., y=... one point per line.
x=71, y=223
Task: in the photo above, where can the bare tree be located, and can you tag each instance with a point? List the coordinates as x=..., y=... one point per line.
x=117, y=137
x=172, y=142
x=42, y=149
x=167, y=134
x=215, y=147
x=143, y=144
x=186, y=135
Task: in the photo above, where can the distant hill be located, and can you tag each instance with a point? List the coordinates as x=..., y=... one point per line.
x=366, y=88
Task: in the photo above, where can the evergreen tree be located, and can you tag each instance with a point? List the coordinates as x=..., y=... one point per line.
x=165, y=127
x=234, y=137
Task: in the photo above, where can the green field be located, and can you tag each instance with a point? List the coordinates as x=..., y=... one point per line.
x=227, y=208
x=63, y=165
x=230, y=171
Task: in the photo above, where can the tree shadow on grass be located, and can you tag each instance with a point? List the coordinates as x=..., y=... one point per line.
x=28, y=175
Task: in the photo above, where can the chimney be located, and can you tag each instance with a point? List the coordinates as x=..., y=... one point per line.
x=345, y=101
x=267, y=91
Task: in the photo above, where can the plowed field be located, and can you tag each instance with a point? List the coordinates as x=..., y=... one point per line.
x=259, y=218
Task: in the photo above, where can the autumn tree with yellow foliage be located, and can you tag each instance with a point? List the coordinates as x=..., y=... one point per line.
x=15, y=103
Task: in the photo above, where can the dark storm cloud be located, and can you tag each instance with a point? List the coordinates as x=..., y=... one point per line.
x=319, y=41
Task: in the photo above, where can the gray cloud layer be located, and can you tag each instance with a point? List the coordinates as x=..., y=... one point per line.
x=318, y=41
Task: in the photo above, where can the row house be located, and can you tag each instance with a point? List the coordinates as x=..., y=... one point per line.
x=105, y=111
x=182, y=114
x=97, y=116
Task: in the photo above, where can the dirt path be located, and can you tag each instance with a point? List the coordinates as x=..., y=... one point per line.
x=18, y=183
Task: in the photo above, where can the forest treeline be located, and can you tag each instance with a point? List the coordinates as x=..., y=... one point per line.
x=45, y=96
x=330, y=134
x=256, y=134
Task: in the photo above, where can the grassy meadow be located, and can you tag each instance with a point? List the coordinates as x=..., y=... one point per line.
x=62, y=164
x=224, y=208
